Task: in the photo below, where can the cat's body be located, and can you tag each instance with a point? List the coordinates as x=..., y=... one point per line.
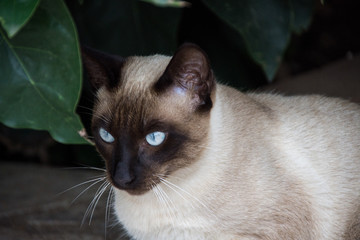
x=247, y=166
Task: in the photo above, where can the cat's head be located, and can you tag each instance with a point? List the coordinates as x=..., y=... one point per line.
x=151, y=116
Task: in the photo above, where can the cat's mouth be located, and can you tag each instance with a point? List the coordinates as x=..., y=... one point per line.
x=135, y=187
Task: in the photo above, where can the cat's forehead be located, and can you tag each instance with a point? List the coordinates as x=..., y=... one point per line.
x=140, y=73
x=133, y=98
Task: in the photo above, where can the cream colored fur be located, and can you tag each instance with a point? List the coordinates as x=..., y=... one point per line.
x=274, y=167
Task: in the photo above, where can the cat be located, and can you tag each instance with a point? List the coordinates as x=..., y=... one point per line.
x=189, y=158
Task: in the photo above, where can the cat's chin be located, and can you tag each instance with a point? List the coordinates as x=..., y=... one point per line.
x=134, y=192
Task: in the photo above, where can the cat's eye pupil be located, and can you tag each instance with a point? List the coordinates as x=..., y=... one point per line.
x=155, y=138
x=106, y=136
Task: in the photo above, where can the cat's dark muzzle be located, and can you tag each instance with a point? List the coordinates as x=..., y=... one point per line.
x=133, y=188
x=127, y=178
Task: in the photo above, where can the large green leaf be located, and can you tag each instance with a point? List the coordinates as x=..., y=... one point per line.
x=14, y=14
x=302, y=11
x=41, y=74
x=264, y=25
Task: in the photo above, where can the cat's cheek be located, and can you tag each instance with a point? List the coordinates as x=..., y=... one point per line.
x=152, y=162
x=145, y=156
x=147, y=151
x=105, y=150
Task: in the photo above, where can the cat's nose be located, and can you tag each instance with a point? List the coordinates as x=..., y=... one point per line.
x=123, y=177
x=124, y=182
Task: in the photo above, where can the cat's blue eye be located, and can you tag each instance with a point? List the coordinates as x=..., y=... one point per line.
x=155, y=138
x=106, y=136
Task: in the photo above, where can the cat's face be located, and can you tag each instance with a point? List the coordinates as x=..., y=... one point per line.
x=152, y=114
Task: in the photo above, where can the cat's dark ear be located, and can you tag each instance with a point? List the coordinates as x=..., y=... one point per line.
x=189, y=72
x=102, y=69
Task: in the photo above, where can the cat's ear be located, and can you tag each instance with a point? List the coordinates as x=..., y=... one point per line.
x=189, y=73
x=102, y=69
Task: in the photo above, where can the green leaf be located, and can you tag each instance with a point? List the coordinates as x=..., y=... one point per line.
x=302, y=11
x=264, y=25
x=14, y=14
x=41, y=74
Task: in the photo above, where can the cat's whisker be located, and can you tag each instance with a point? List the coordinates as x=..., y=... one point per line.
x=108, y=203
x=171, y=205
x=107, y=209
x=160, y=195
x=186, y=198
x=155, y=191
x=96, y=180
x=167, y=176
x=99, y=176
x=102, y=117
x=104, y=188
x=84, y=107
x=86, y=167
x=109, y=111
x=82, y=192
x=187, y=224
x=86, y=214
x=191, y=196
x=93, y=203
x=157, y=195
x=177, y=192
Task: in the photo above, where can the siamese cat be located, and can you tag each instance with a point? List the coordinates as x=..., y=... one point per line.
x=189, y=158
